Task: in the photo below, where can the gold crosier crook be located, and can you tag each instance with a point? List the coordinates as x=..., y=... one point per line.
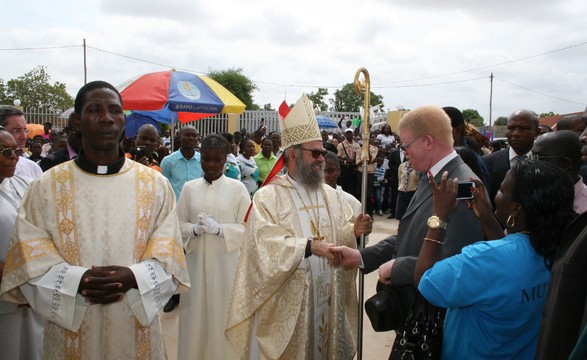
x=363, y=89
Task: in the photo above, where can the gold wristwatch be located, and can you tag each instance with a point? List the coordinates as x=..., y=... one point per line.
x=434, y=222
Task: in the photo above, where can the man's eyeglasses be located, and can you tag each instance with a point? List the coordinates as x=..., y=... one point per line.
x=7, y=152
x=18, y=130
x=405, y=147
x=316, y=153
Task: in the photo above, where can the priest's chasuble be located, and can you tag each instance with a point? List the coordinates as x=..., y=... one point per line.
x=71, y=219
x=286, y=306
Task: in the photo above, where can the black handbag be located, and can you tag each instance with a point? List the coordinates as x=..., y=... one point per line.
x=387, y=309
x=421, y=335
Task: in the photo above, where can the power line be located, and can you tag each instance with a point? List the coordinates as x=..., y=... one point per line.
x=40, y=48
x=430, y=84
x=538, y=92
x=145, y=61
x=489, y=66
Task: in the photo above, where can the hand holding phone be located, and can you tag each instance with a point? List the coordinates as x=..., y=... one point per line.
x=465, y=190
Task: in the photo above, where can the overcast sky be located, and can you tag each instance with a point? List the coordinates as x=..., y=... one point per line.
x=417, y=52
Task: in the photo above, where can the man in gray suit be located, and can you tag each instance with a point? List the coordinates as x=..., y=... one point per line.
x=427, y=137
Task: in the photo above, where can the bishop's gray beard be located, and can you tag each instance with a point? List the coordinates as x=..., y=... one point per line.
x=308, y=177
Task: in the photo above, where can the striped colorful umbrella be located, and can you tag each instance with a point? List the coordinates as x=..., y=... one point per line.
x=170, y=95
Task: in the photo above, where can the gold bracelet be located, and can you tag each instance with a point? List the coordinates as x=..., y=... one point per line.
x=434, y=241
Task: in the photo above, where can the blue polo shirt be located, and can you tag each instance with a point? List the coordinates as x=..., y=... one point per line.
x=495, y=292
x=180, y=170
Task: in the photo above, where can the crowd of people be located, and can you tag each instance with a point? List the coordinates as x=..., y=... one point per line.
x=258, y=231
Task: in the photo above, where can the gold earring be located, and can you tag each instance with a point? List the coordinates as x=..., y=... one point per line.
x=511, y=220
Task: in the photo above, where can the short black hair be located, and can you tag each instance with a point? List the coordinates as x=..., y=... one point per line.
x=80, y=98
x=7, y=111
x=215, y=142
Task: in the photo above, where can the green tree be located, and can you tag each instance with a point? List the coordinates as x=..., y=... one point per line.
x=501, y=121
x=318, y=99
x=34, y=89
x=3, y=99
x=347, y=99
x=237, y=83
x=268, y=107
x=547, y=114
x=472, y=116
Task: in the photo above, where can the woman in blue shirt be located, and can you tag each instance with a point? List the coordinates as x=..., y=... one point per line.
x=495, y=290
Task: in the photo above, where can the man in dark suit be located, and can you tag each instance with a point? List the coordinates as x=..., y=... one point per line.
x=564, y=314
x=522, y=130
x=70, y=151
x=395, y=158
x=426, y=134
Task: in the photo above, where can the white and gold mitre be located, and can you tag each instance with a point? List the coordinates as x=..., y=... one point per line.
x=300, y=125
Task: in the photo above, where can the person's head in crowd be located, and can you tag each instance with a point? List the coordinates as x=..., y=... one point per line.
x=247, y=148
x=128, y=144
x=331, y=168
x=258, y=137
x=336, y=136
x=9, y=154
x=230, y=138
x=470, y=159
x=74, y=137
x=334, y=142
x=457, y=122
x=349, y=135
x=386, y=130
x=379, y=160
x=276, y=139
x=148, y=136
x=376, y=143
x=98, y=108
x=544, y=129
x=324, y=134
x=536, y=197
x=330, y=147
x=426, y=135
x=237, y=137
x=36, y=149
x=59, y=143
x=214, y=150
x=497, y=145
x=522, y=129
x=243, y=133
x=12, y=119
x=267, y=147
x=349, y=123
x=39, y=139
x=561, y=148
x=47, y=127
x=189, y=138
x=572, y=122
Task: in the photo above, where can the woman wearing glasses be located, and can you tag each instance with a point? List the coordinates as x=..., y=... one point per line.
x=13, y=121
x=21, y=329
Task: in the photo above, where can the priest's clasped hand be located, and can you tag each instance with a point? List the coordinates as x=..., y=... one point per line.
x=106, y=284
x=207, y=224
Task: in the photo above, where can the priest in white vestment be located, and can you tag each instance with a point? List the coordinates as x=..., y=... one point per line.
x=211, y=211
x=288, y=302
x=97, y=246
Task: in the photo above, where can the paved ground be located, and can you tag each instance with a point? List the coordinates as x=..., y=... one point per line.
x=375, y=345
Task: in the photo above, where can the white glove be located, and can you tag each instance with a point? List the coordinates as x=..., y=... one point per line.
x=210, y=225
x=197, y=229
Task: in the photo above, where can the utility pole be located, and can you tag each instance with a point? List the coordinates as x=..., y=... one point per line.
x=490, y=97
x=85, y=67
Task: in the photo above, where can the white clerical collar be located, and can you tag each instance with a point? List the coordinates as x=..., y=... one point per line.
x=435, y=169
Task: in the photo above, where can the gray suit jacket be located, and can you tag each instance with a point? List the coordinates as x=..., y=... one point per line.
x=463, y=229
